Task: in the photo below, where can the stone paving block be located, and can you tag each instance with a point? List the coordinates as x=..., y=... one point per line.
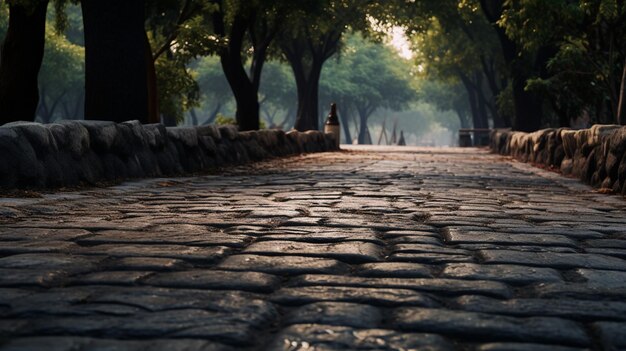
x=192, y=253
x=381, y=224
x=582, y=291
x=11, y=326
x=509, y=346
x=425, y=248
x=415, y=239
x=607, y=243
x=283, y=265
x=218, y=280
x=350, y=252
x=328, y=337
x=301, y=221
x=582, y=310
x=482, y=326
x=620, y=253
x=511, y=274
x=145, y=264
x=603, y=279
x=235, y=328
x=394, y=270
x=182, y=237
x=573, y=218
x=611, y=335
x=429, y=258
x=26, y=247
x=554, y=260
x=336, y=313
x=68, y=343
x=372, y=296
x=161, y=299
x=272, y=212
x=523, y=248
x=439, y=286
x=475, y=237
x=85, y=222
x=417, y=230
x=66, y=262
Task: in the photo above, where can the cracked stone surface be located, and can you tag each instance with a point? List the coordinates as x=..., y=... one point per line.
x=366, y=249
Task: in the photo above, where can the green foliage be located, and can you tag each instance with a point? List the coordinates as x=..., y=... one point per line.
x=63, y=64
x=61, y=77
x=368, y=77
x=586, y=38
x=4, y=20
x=177, y=88
x=211, y=79
x=214, y=92
x=277, y=92
x=225, y=120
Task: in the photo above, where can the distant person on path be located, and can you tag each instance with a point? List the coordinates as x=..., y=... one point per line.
x=401, y=141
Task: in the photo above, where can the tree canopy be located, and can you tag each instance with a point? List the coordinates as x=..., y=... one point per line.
x=524, y=64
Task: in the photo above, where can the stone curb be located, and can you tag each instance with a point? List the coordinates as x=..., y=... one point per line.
x=77, y=152
x=596, y=155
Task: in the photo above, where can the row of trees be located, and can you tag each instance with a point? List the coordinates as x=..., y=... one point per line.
x=523, y=63
x=128, y=42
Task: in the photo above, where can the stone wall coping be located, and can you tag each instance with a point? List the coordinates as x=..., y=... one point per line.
x=72, y=152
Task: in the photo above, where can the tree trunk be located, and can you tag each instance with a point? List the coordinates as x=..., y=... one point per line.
x=472, y=99
x=462, y=117
x=169, y=121
x=307, y=85
x=528, y=109
x=306, y=57
x=246, y=96
x=621, y=109
x=214, y=113
x=20, y=61
x=116, y=82
x=343, y=113
x=194, y=117
x=482, y=101
x=364, y=132
x=286, y=120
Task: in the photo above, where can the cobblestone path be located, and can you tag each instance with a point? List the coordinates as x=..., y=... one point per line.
x=385, y=249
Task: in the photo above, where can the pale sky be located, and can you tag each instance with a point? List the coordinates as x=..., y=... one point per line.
x=400, y=42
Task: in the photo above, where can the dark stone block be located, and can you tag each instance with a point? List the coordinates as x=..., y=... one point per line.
x=113, y=167
x=39, y=137
x=228, y=132
x=71, y=136
x=102, y=134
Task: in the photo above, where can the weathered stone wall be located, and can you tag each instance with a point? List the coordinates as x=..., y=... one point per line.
x=596, y=155
x=77, y=152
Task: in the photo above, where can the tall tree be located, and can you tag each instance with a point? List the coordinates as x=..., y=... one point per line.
x=368, y=76
x=259, y=22
x=522, y=66
x=278, y=95
x=583, y=48
x=20, y=60
x=116, y=71
x=215, y=92
x=313, y=35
